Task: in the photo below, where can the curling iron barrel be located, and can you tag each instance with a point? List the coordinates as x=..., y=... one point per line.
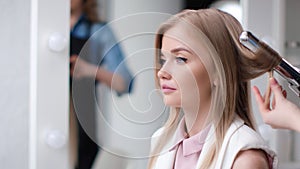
x=284, y=68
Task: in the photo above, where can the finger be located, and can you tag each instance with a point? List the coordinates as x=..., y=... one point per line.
x=274, y=99
x=284, y=93
x=268, y=92
x=276, y=89
x=273, y=102
x=267, y=96
x=259, y=99
x=280, y=87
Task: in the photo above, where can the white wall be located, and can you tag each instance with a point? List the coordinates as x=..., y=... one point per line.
x=14, y=75
x=293, y=55
x=34, y=84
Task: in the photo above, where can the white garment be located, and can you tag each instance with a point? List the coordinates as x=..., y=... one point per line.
x=238, y=137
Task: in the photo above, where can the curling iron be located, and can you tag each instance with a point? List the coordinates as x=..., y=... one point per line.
x=284, y=68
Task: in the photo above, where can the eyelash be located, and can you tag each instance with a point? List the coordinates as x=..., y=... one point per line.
x=181, y=60
x=178, y=60
x=162, y=61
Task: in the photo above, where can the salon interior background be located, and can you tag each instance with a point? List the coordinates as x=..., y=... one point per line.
x=34, y=86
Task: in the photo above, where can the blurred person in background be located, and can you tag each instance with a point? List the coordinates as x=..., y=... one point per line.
x=96, y=57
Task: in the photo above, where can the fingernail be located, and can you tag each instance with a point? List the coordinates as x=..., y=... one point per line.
x=284, y=93
x=273, y=81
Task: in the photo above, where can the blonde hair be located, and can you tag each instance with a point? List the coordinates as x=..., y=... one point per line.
x=235, y=66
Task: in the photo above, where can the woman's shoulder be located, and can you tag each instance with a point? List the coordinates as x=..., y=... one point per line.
x=103, y=32
x=99, y=24
x=253, y=158
x=155, y=137
x=158, y=132
x=246, y=135
x=103, y=26
x=244, y=142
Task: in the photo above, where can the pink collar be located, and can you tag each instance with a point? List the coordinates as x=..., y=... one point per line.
x=192, y=144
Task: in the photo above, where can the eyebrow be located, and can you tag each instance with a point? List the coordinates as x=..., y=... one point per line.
x=178, y=49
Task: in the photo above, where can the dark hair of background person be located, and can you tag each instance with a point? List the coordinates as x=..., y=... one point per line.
x=198, y=4
x=90, y=8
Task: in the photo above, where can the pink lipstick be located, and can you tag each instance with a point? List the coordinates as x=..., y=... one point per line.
x=167, y=89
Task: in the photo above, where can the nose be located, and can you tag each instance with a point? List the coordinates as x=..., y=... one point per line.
x=163, y=74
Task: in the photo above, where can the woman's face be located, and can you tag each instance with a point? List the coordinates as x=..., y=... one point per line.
x=183, y=78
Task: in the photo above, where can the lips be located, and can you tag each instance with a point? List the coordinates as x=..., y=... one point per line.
x=167, y=89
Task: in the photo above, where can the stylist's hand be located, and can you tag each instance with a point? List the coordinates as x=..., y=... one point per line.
x=81, y=68
x=282, y=112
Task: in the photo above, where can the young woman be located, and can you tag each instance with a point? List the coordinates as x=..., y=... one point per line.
x=204, y=72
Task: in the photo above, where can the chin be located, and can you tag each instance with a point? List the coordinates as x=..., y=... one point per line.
x=172, y=102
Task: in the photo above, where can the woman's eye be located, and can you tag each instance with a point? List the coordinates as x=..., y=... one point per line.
x=181, y=60
x=162, y=61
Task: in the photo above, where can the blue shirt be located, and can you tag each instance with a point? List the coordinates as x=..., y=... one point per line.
x=102, y=48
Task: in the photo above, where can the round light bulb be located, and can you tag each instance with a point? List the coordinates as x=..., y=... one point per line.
x=56, y=139
x=57, y=42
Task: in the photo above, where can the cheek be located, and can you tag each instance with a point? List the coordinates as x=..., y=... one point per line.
x=204, y=85
x=194, y=82
x=188, y=84
x=205, y=90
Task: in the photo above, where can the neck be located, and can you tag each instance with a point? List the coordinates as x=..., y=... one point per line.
x=195, y=121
